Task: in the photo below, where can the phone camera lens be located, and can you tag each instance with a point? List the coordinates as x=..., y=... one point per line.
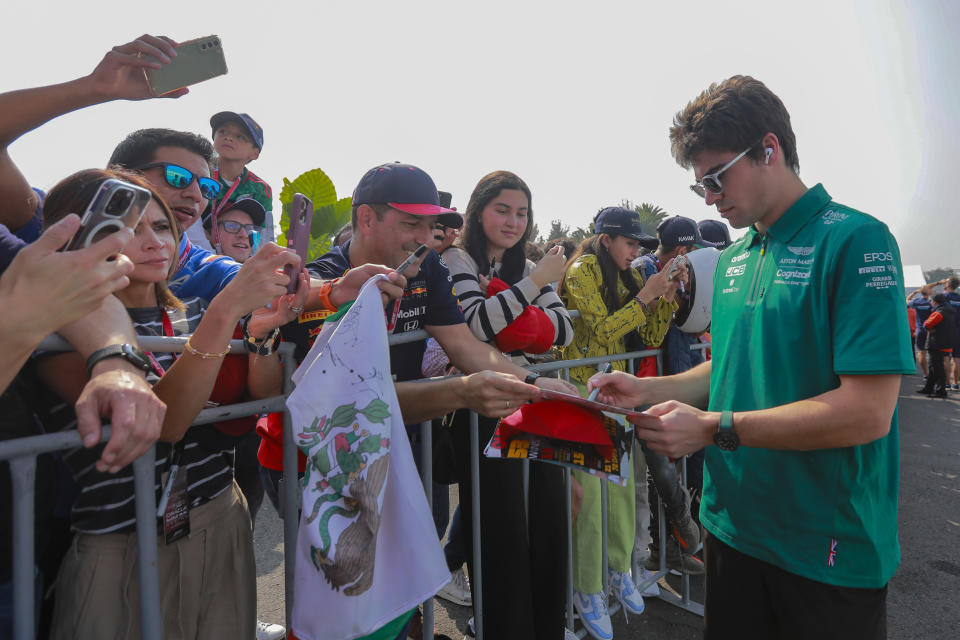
x=119, y=203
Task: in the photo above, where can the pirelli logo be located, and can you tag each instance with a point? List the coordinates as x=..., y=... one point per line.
x=312, y=316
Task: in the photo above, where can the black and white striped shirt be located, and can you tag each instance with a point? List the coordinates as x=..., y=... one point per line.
x=489, y=316
x=105, y=502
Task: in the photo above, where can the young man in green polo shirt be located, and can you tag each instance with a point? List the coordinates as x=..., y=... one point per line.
x=809, y=343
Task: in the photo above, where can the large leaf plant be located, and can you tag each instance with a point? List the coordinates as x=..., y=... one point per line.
x=329, y=213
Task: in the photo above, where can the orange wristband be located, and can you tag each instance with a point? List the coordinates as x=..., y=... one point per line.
x=324, y=293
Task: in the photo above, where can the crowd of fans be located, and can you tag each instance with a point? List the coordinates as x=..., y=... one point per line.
x=201, y=263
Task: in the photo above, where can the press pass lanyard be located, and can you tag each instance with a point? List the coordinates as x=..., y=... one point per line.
x=178, y=447
x=217, y=206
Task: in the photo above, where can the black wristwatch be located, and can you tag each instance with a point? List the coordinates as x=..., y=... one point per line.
x=726, y=437
x=531, y=377
x=125, y=351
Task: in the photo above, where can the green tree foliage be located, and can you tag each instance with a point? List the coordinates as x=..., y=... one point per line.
x=651, y=215
x=329, y=213
x=558, y=230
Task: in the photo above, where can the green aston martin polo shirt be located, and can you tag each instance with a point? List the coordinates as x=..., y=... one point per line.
x=819, y=295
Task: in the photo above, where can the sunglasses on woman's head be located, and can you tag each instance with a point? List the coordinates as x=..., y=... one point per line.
x=180, y=178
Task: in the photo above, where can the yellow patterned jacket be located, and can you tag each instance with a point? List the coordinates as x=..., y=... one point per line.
x=597, y=332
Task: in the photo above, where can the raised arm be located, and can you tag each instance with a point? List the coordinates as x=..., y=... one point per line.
x=118, y=76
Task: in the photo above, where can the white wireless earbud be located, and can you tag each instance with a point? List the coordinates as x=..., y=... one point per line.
x=766, y=155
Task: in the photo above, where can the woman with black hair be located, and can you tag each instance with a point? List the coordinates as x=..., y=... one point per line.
x=613, y=300
x=509, y=301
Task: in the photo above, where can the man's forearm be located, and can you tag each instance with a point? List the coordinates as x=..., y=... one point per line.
x=22, y=111
x=857, y=412
x=422, y=400
x=690, y=387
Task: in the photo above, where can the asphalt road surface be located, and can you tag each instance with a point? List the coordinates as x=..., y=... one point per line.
x=922, y=602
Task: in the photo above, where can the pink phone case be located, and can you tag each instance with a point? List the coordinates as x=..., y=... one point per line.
x=298, y=235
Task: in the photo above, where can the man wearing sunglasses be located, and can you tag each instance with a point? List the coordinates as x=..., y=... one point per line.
x=799, y=419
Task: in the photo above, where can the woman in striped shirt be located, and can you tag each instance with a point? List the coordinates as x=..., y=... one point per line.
x=523, y=577
x=207, y=572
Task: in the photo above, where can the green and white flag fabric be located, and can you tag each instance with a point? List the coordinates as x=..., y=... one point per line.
x=367, y=550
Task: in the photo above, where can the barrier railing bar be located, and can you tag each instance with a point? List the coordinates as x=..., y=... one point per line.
x=290, y=496
x=151, y=617
x=161, y=344
x=426, y=467
x=23, y=476
x=477, y=585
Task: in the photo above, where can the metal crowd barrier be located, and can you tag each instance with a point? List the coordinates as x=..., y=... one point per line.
x=22, y=454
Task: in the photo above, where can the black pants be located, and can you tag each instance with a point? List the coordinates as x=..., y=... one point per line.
x=246, y=469
x=524, y=582
x=748, y=598
x=937, y=375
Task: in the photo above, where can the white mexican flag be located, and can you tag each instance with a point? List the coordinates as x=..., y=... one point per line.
x=367, y=550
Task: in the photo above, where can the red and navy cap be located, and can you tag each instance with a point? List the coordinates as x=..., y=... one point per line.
x=256, y=132
x=405, y=188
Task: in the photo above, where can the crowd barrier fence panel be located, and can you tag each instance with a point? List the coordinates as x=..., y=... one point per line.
x=22, y=455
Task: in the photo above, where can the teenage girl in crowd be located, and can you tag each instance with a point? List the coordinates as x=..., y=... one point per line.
x=207, y=574
x=523, y=578
x=613, y=300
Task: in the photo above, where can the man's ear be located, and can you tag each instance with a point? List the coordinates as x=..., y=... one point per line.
x=254, y=155
x=366, y=218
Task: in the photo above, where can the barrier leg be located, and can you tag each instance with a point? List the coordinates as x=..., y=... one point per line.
x=144, y=479
x=426, y=467
x=477, y=585
x=23, y=475
x=569, y=503
x=291, y=494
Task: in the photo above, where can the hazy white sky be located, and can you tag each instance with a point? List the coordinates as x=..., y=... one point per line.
x=574, y=97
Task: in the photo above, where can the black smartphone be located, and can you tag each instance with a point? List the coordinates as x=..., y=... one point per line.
x=117, y=204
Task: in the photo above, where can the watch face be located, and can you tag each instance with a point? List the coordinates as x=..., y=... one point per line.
x=726, y=440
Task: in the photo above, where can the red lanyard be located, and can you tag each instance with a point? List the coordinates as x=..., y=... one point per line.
x=217, y=206
x=168, y=332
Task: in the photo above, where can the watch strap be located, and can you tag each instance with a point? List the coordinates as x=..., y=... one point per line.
x=531, y=377
x=124, y=351
x=726, y=420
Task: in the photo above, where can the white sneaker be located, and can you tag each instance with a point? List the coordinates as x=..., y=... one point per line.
x=592, y=610
x=642, y=576
x=457, y=590
x=268, y=631
x=623, y=589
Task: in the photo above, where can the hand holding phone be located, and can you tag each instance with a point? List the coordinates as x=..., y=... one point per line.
x=298, y=235
x=197, y=60
x=115, y=205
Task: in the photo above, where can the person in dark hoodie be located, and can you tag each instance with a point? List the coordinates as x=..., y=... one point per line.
x=941, y=327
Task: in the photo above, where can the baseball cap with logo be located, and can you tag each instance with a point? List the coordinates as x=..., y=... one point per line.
x=716, y=232
x=405, y=188
x=255, y=131
x=623, y=222
x=681, y=232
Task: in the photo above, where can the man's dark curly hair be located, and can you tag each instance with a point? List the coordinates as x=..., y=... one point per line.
x=732, y=115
